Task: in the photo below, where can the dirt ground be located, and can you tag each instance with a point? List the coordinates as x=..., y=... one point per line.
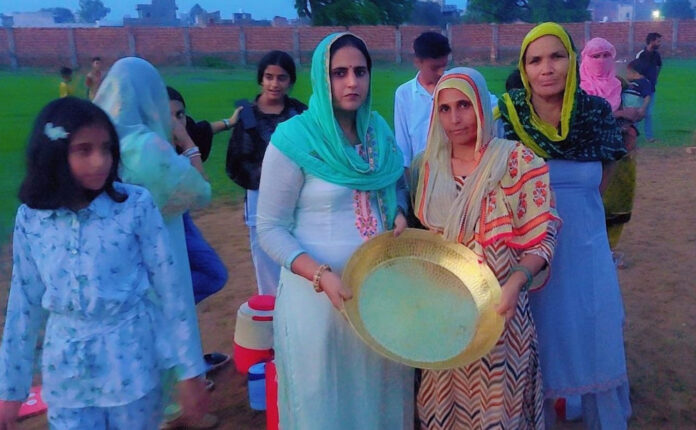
x=658, y=287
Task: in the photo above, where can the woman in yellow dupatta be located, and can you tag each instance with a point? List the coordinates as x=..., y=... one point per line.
x=579, y=315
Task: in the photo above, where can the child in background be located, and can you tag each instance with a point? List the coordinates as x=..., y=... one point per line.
x=639, y=90
x=66, y=87
x=94, y=77
x=94, y=255
x=201, y=132
x=208, y=273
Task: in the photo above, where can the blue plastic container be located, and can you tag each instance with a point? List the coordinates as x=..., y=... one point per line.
x=257, y=386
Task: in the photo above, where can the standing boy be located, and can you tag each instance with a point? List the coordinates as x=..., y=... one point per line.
x=413, y=100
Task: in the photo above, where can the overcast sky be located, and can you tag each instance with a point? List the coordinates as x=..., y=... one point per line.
x=259, y=9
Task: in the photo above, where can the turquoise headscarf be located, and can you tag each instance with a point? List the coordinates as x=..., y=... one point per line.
x=314, y=141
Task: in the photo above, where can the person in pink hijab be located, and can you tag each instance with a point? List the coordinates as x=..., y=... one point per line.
x=597, y=73
x=598, y=78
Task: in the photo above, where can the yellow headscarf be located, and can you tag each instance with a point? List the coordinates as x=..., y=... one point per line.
x=438, y=203
x=546, y=29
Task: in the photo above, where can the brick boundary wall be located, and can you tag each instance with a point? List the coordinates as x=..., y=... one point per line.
x=471, y=43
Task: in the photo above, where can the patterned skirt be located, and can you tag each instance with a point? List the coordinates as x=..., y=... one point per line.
x=503, y=390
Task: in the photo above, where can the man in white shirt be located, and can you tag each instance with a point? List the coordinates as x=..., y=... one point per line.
x=414, y=99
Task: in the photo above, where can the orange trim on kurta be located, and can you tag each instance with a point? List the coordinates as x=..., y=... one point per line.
x=533, y=223
x=518, y=232
x=490, y=225
x=530, y=243
x=426, y=173
x=531, y=174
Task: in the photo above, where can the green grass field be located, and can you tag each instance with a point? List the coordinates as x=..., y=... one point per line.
x=211, y=93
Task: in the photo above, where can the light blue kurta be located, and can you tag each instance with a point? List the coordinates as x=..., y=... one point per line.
x=104, y=276
x=327, y=377
x=579, y=314
x=176, y=186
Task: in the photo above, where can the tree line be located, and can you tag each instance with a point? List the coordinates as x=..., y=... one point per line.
x=397, y=12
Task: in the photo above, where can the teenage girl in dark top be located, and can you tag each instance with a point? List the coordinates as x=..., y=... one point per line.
x=247, y=146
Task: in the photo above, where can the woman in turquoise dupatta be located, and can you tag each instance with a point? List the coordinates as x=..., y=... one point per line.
x=331, y=179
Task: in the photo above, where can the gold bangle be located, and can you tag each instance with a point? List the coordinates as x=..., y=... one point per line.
x=317, y=277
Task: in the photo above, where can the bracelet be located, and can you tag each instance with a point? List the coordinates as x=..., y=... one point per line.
x=317, y=277
x=194, y=155
x=227, y=123
x=191, y=152
x=527, y=274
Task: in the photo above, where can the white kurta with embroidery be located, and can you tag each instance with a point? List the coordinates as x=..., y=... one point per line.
x=327, y=377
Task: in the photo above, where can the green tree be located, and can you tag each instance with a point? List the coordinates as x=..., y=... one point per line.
x=559, y=10
x=496, y=11
x=677, y=9
x=354, y=12
x=527, y=10
x=427, y=13
x=92, y=10
x=61, y=14
x=394, y=12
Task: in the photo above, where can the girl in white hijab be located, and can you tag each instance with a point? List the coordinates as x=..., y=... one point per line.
x=135, y=97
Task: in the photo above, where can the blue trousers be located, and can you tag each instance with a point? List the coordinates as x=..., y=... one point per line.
x=647, y=120
x=142, y=414
x=208, y=273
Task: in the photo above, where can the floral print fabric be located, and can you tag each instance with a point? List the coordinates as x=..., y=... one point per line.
x=104, y=276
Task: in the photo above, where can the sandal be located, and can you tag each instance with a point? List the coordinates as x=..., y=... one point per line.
x=215, y=360
x=209, y=384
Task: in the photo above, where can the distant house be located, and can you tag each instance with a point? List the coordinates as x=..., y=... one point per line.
x=159, y=13
x=42, y=18
x=200, y=17
x=57, y=17
x=616, y=11
x=280, y=21
x=6, y=20
x=450, y=11
x=243, y=18
x=604, y=10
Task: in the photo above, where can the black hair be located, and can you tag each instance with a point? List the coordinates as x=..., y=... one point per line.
x=175, y=95
x=65, y=71
x=431, y=45
x=514, y=81
x=96, y=59
x=355, y=42
x=652, y=36
x=276, y=58
x=637, y=66
x=48, y=183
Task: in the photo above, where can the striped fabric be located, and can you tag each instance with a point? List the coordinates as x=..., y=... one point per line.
x=503, y=390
